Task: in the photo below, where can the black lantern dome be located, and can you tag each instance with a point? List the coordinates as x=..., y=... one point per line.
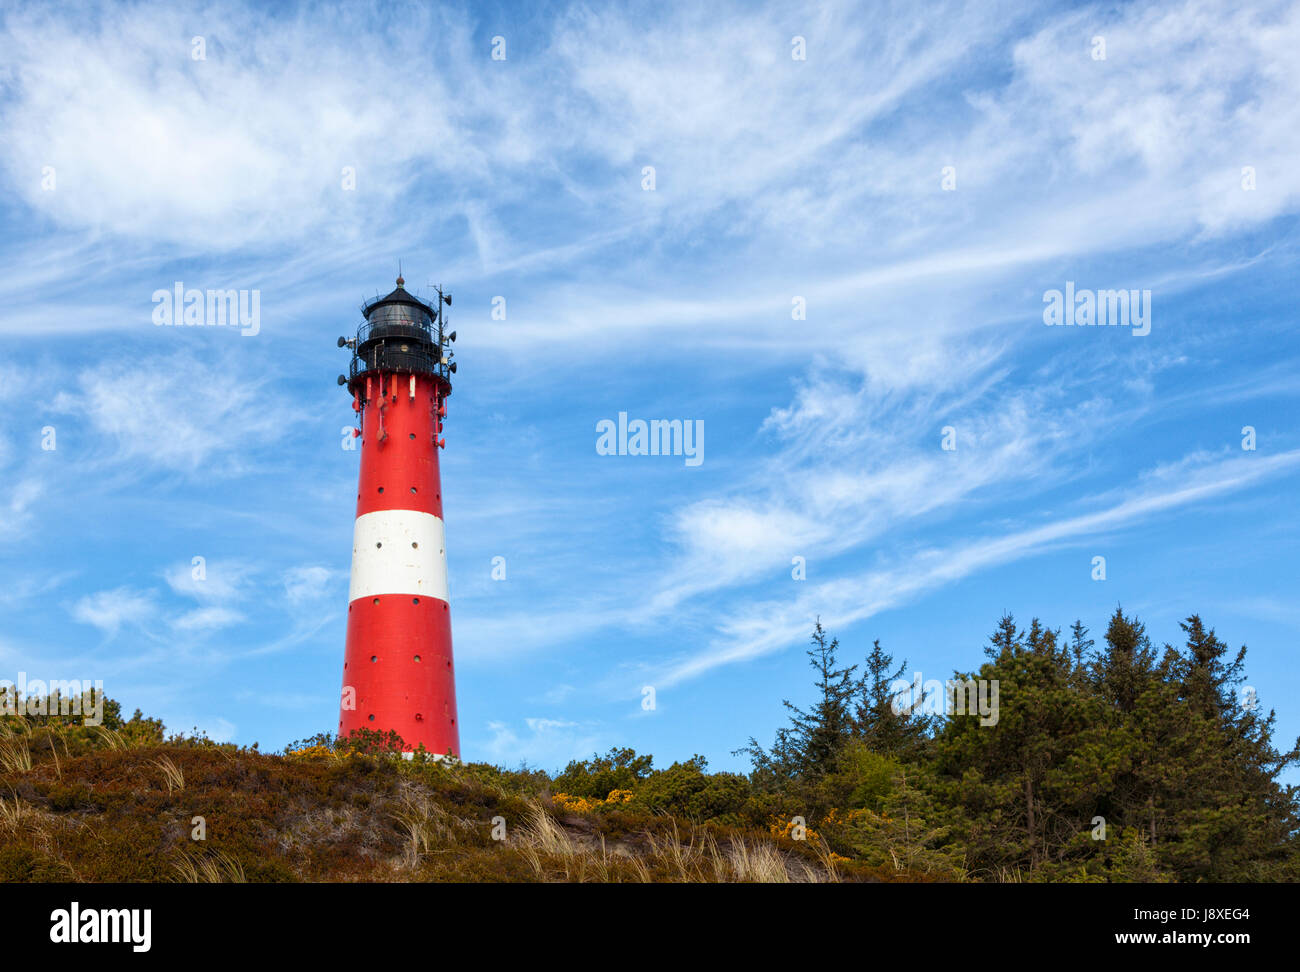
x=401, y=334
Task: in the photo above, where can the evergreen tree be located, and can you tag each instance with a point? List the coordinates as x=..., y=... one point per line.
x=1230, y=819
x=1022, y=788
x=876, y=723
x=811, y=744
x=1126, y=664
x=1118, y=763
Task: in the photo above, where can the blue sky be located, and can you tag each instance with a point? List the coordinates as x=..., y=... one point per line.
x=522, y=178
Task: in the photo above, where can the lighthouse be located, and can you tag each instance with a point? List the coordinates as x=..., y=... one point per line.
x=398, y=671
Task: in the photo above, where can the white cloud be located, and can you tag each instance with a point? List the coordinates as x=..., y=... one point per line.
x=246, y=146
x=180, y=412
x=17, y=506
x=31, y=585
x=206, y=619
x=546, y=743
x=776, y=178
x=309, y=583
x=109, y=610
x=221, y=580
x=858, y=460
x=816, y=169
x=766, y=626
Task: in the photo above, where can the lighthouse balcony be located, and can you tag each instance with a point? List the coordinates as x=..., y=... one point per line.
x=400, y=358
x=394, y=329
x=415, y=359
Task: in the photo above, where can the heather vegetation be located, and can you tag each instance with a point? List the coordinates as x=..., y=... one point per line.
x=1110, y=762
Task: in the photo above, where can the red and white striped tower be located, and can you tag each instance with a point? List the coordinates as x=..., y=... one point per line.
x=397, y=667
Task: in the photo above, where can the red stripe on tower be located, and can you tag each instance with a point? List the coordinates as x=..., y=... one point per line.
x=398, y=672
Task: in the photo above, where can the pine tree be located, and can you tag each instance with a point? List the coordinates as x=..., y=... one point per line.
x=1126, y=663
x=1023, y=787
x=1081, y=654
x=876, y=723
x=1168, y=753
x=1230, y=819
x=811, y=744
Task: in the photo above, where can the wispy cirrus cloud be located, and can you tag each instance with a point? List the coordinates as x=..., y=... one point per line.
x=178, y=413
x=218, y=580
x=775, y=179
x=768, y=625
x=541, y=741
x=207, y=619
x=110, y=610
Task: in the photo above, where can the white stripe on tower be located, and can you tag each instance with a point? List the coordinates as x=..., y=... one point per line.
x=398, y=552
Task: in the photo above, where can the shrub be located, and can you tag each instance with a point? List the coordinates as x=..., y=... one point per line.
x=619, y=769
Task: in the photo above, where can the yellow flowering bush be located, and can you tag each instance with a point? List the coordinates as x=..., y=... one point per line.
x=783, y=829
x=577, y=804
x=311, y=752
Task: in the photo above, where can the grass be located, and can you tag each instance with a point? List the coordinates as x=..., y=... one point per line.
x=15, y=755
x=12, y=817
x=121, y=804
x=219, y=868
x=172, y=774
x=671, y=855
x=116, y=810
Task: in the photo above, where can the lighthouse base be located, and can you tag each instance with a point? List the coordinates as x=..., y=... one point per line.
x=398, y=666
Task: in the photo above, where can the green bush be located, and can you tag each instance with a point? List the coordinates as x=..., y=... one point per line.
x=619, y=769
x=686, y=790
